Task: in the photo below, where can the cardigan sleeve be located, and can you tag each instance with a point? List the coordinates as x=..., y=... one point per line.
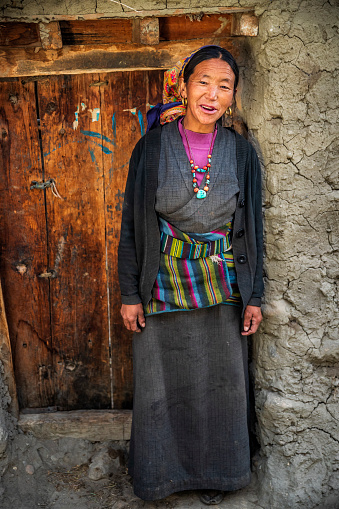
x=128, y=268
x=256, y=191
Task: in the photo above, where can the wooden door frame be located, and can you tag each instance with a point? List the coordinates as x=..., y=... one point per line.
x=145, y=53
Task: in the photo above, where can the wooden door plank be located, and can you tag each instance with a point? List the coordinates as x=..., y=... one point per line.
x=122, y=123
x=73, y=147
x=124, y=101
x=155, y=80
x=24, y=245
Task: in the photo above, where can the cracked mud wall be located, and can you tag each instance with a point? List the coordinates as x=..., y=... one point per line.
x=8, y=404
x=289, y=101
x=7, y=424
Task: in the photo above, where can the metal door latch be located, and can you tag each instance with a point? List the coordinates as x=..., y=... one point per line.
x=45, y=185
x=51, y=274
x=42, y=185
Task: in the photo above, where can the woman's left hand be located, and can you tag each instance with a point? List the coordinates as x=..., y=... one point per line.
x=252, y=319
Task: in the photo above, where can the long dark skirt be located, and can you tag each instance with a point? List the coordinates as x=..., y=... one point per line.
x=190, y=412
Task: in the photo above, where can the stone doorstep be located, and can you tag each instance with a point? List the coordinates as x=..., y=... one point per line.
x=92, y=425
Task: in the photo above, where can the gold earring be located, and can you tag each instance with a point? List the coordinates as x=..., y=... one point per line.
x=229, y=111
x=184, y=101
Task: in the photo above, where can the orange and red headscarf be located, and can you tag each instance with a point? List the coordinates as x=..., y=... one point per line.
x=172, y=106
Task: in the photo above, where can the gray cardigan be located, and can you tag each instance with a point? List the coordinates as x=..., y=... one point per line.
x=139, y=253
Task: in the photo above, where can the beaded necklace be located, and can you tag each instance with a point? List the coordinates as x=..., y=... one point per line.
x=200, y=193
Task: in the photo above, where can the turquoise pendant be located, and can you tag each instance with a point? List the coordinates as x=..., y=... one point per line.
x=201, y=194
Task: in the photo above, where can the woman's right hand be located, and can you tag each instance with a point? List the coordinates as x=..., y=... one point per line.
x=133, y=316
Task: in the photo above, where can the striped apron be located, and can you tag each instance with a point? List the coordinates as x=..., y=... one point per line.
x=196, y=270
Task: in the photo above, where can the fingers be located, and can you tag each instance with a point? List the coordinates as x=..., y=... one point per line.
x=247, y=320
x=250, y=330
x=132, y=325
x=252, y=319
x=141, y=318
x=133, y=317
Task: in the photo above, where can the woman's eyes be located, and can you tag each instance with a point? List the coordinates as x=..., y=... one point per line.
x=223, y=87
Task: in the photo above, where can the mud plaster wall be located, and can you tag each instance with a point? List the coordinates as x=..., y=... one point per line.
x=289, y=100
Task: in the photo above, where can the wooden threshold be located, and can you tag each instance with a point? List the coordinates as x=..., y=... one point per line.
x=92, y=425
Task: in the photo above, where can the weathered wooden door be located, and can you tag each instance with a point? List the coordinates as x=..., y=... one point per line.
x=73, y=136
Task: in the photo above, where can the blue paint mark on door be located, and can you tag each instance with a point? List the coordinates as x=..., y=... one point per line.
x=97, y=135
x=114, y=126
x=141, y=122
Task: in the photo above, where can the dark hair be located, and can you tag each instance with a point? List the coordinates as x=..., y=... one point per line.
x=208, y=52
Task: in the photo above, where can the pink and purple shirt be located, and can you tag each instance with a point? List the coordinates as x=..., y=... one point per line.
x=200, y=144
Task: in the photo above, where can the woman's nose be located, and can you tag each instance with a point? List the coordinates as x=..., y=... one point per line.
x=212, y=92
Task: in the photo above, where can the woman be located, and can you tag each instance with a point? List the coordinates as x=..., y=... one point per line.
x=190, y=260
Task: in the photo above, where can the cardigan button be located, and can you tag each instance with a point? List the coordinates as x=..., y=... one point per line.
x=242, y=258
x=240, y=232
x=242, y=203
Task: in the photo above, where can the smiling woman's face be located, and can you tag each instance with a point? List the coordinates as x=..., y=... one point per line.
x=209, y=93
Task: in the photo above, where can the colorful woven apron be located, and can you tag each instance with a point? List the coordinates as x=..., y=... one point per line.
x=194, y=272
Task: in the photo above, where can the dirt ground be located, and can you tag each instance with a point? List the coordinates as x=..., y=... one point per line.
x=72, y=489
x=59, y=474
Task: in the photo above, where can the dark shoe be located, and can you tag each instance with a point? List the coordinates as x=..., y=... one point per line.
x=211, y=497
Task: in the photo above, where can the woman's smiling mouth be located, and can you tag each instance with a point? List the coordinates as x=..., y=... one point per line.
x=208, y=109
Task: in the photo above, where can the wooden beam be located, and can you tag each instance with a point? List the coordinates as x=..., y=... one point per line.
x=93, y=425
x=16, y=62
x=129, y=14
x=6, y=356
x=176, y=28
x=146, y=31
x=105, y=31
x=19, y=34
x=50, y=35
